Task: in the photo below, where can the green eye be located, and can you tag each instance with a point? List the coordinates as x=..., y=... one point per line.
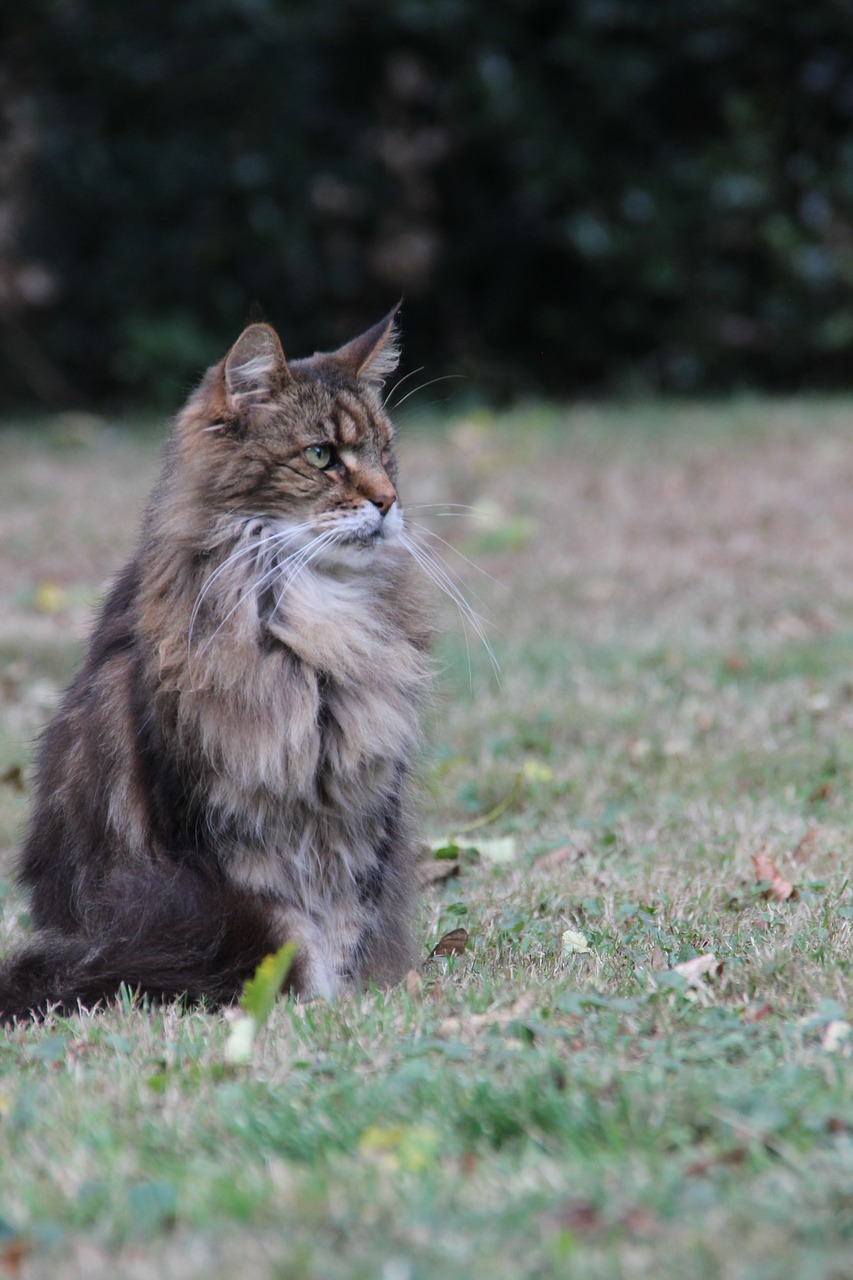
x=319, y=455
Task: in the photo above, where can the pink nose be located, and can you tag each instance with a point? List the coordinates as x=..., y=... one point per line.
x=384, y=499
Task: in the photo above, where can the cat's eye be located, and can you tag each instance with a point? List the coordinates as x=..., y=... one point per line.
x=319, y=455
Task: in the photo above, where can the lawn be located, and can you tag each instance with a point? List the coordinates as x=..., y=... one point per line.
x=670, y=603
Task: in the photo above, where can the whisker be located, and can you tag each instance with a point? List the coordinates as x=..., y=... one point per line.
x=304, y=556
x=448, y=508
x=441, y=579
x=435, y=569
x=252, y=548
x=259, y=547
x=430, y=533
x=251, y=588
x=400, y=382
x=458, y=581
x=445, y=377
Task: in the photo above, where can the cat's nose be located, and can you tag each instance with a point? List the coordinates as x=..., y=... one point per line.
x=384, y=499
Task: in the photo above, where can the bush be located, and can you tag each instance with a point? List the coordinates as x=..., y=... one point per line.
x=590, y=195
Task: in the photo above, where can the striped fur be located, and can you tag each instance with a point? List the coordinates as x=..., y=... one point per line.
x=229, y=769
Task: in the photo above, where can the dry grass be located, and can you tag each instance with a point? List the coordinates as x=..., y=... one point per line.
x=673, y=616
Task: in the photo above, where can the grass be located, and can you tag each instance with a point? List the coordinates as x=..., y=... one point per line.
x=673, y=615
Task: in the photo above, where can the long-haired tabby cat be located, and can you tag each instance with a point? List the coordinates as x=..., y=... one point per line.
x=228, y=770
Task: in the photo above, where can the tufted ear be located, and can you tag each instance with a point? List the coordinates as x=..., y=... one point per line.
x=255, y=366
x=375, y=354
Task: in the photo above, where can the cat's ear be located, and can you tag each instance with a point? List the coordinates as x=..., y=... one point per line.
x=255, y=367
x=374, y=354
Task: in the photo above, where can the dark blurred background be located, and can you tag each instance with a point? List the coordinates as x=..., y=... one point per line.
x=590, y=196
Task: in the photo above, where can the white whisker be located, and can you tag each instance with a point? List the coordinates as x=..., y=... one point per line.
x=420, y=528
x=441, y=576
x=278, y=535
x=400, y=382
x=263, y=549
x=461, y=509
x=446, y=377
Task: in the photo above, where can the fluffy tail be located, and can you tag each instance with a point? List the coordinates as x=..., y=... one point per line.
x=197, y=957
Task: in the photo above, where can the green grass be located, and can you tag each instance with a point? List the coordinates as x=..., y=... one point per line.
x=673, y=616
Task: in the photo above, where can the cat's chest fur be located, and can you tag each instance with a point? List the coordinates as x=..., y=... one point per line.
x=306, y=750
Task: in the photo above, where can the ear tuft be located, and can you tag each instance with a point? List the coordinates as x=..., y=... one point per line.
x=255, y=366
x=375, y=354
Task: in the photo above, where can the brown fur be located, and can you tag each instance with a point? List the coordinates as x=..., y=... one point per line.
x=229, y=768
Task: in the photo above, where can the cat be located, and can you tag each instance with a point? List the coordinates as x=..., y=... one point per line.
x=229, y=770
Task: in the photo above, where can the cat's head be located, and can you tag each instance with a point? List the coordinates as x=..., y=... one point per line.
x=305, y=443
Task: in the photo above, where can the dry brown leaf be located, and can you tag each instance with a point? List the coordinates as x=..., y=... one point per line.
x=14, y=777
x=583, y=1218
x=437, y=870
x=693, y=970
x=556, y=857
x=580, y=1217
x=756, y=1012
x=516, y=1012
x=414, y=984
x=13, y=1254
x=639, y=1222
x=765, y=869
x=807, y=847
x=734, y=1156
x=452, y=944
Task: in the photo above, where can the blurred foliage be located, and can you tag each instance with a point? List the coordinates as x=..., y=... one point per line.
x=571, y=194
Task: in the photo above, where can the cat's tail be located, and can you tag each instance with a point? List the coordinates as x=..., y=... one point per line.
x=194, y=959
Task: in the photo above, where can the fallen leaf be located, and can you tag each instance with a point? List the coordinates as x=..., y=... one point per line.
x=49, y=597
x=434, y=872
x=14, y=777
x=535, y=771
x=414, y=984
x=639, y=1222
x=638, y=749
x=411, y=1148
x=516, y=1012
x=13, y=1253
x=836, y=1035
x=807, y=847
x=692, y=970
x=240, y=1044
x=734, y=1156
x=452, y=944
x=556, y=857
x=756, y=1012
x=501, y=849
x=791, y=626
x=580, y=1217
x=575, y=943
x=765, y=869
